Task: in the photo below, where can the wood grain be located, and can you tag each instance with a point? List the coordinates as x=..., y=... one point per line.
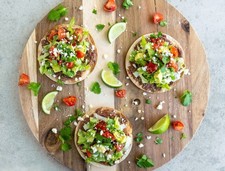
x=139, y=20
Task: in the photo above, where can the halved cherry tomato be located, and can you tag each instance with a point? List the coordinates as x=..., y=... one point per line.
x=88, y=153
x=80, y=54
x=101, y=125
x=151, y=67
x=157, y=18
x=61, y=33
x=52, y=33
x=108, y=134
x=173, y=65
x=110, y=6
x=177, y=125
x=23, y=80
x=174, y=51
x=120, y=93
x=70, y=65
x=119, y=147
x=78, y=33
x=70, y=101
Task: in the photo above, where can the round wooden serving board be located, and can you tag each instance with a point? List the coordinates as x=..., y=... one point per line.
x=139, y=20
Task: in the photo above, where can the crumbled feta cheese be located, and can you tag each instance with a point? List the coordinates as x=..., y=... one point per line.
x=66, y=18
x=105, y=56
x=127, y=84
x=109, y=156
x=81, y=8
x=126, y=105
x=139, y=7
x=144, y=93
x=59, y=77
x=53, y=85
x=174, y=116
x=174, y=89
x=80, y=118
x=189, y=111
x=160, y=106
x=87, y=116
x=54, y=76
x=139, y=111
x=118, y=50
x=127, y=78
x=128, y=162
x=164, y=155
x=119, y=15
x=94, y=149
x=75, y=123
x=101, y=132
x=76, y=79
x=35, y=41
x=136, y=119
x=90, y=106
x=54, y=130
x=92, y=47
x=148, y=137
x=141, y=145
x=83, y=106
x=59, y=88
x=142, y=118
x=117, y=162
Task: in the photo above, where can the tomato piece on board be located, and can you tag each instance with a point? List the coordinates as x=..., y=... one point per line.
x=101, y=126
x=151, y=67
x=177, y=125
x=174, y=51
x=70, y=100
x=61, y=33
x=23, y=80
x=120, y=93
x=69, y=65
x=157, y=18
x=52, y=33
x=80, y=54
x=110, y=6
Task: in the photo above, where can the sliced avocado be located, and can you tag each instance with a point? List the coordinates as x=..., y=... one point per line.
x=139, y=56
x=121, y=137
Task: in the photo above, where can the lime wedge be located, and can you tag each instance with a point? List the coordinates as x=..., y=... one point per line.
x=116, y=30
x=161, y=125
x=109, y=79
x=48, y=101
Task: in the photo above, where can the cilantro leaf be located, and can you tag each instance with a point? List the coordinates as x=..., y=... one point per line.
x=94, y=11
x=186, y=98
x=66, y=133
x=127, y=4
x=148, y=101
x=95, y=88
x=158, y=140
x=166, y=59
x=114, y=67
x=139, y=137
x=58, y=12
x=100, y=27
x=163, y=23
x=60, y=82
x=65, y=147
x=144, y=162
x=183, y=136
x=34, y=87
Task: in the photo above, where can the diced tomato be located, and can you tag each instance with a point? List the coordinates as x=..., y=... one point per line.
x=88, y=153
x=177, y=125
x=51, y=50
x=70, y=101
x=120, y=93
x=79, y=34
x=70, y=65
x=173, y=65
x=52, y=33
x=80, y=54
x=61, y=33
x=60, y=62
x=157, y=42
x=157, y=18
x=108, y=134
x=110, y=6
x=151, y=67
x=101, y=126
x=174, y=51
x=23, y=80
x=119, y=147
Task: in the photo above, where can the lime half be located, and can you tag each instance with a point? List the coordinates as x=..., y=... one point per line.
x=109, y=79
x=116, y=30
x=161, y=125
x=48, y=101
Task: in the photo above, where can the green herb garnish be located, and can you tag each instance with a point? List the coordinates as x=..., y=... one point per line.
x=148, y=101
x=158, y=140
x=58, y=12
x=163, y=23
x=94, y=11
x=34, y=87
x=100, y=27
x=186, y=98
x=114, y=67
x=127, y=4
x=134, y=34
x=60, y=82
x=166, y=59
x=144, y=162
x=183, y=136
x=95, y=88
x=139, y=137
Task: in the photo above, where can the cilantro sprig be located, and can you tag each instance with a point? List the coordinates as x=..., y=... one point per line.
x=139, y=137
x=144, y=162
x=95, y=88
x=127, y=4
x=186, y=98
x=100, y=27
x=158, y=140
x=58, y=12
x=34, y=87
x=114, y=67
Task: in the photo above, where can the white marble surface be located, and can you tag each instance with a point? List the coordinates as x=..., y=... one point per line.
x=19, y=150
